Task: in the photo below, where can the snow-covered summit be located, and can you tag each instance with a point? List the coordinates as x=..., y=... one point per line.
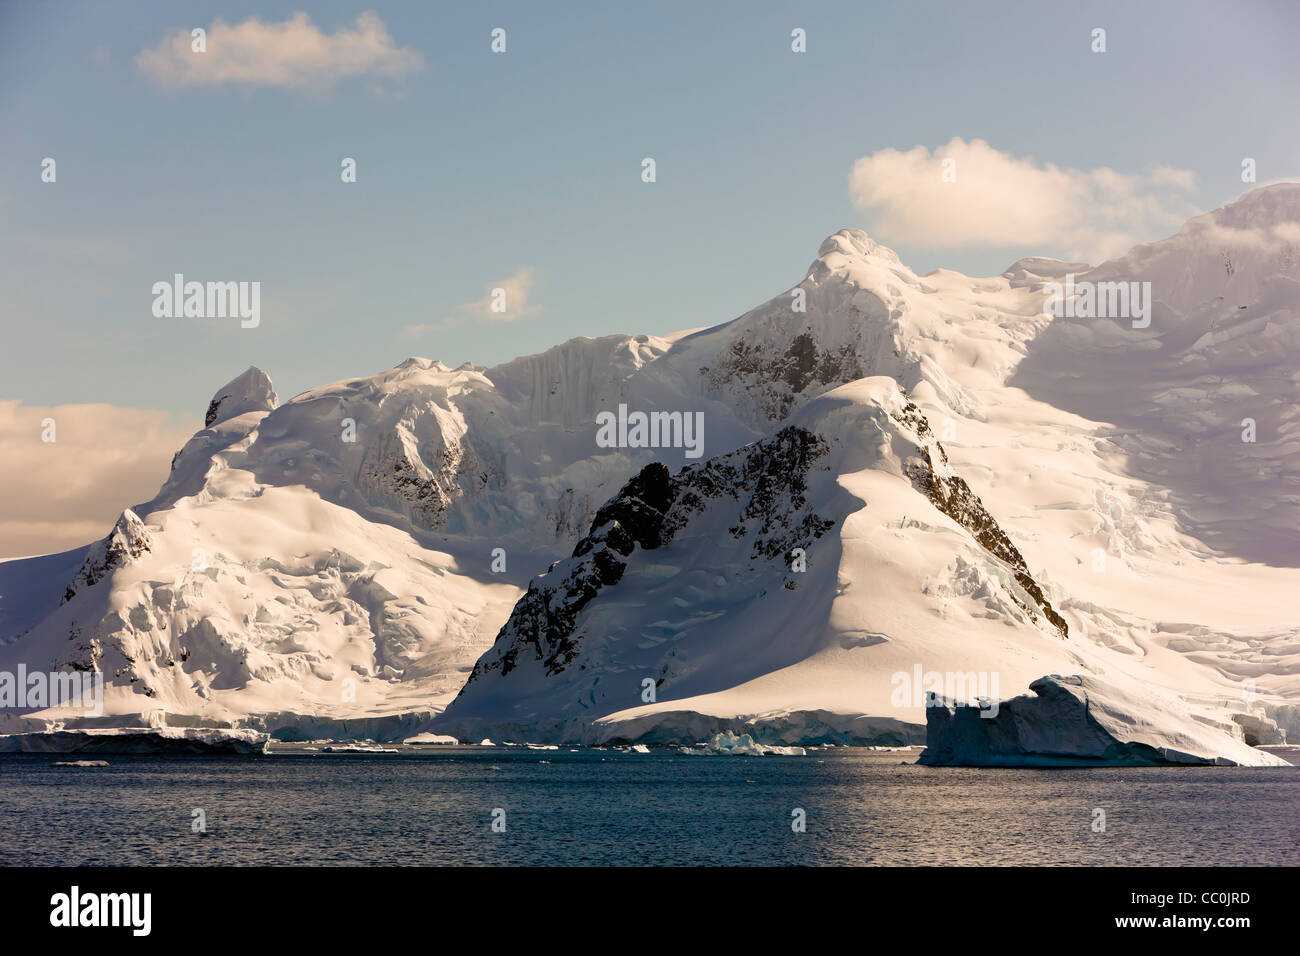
x=853, y=244
x=250, y=391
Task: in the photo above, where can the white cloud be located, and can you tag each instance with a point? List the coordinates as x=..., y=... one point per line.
x=511, y=295
x=65, y=493
x=1161, y=175
x=294, y=54
x=1261, y=238
x=1287, y=231
x=1001, y=200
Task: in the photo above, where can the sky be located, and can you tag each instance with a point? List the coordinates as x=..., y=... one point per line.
x=523, y=171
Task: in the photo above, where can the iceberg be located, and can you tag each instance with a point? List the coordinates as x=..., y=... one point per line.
x=1081, y=721
x=428, y=738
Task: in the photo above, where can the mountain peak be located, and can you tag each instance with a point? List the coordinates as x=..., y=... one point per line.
x=250, y=391
x=855, y=243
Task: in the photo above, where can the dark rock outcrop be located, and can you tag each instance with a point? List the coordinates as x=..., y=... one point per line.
x=951, y=495
x=250, y=391
x=768, y=480
x=128, y=540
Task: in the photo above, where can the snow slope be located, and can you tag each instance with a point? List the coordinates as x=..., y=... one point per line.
x=994, y=492
x=1223, y=347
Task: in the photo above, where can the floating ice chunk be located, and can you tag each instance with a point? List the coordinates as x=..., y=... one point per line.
x=427, y=738
x=728, y=742
x=1081, y=720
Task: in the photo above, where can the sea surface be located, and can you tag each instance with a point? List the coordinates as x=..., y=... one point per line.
x=435, y=805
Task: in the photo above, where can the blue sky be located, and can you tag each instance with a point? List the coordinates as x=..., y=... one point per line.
x=476, y=167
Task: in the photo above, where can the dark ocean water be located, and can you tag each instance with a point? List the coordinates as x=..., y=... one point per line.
x=435, y=806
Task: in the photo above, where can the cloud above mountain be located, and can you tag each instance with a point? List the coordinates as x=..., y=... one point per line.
x=967, y=194
x=505, y=300
x=293, y=54
x=67, y=492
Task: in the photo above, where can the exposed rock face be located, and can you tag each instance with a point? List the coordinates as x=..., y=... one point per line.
x=128, y=540
x=843, y=322
x=250, y=391
x=767, y=479
x=951, y=495
x=779, y=379
x=424, y=477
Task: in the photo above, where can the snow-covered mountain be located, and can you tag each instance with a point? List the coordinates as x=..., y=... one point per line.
x=725, y=587
x=896, y=472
